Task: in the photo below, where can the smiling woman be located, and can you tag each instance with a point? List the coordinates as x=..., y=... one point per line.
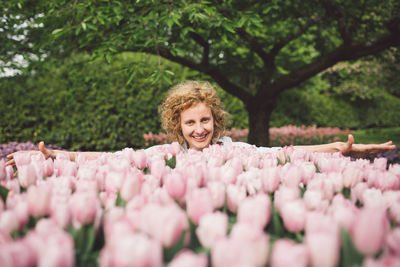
x=192, y=115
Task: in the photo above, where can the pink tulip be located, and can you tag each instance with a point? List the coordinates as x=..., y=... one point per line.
x=38, y=198
x=13, y=186
x=17, y=254
x=158, y=168
x=136, y=250
x=322, y=239
x=130, y=187
x=386, y=261
x=48, y=167
x=255, y=211
x=247, y=246
x=163, y=223
x=388, y=181
x=84, y=207
x=294, y=215
x=9, y=172
x=234, y=195
x=285, y=253
x=65, y=167
x=314, y=200
x=270, y=179
x=3, y=173
x=380, y=163
x=369, y=229
x=323, y=184
x=357, y=192
x=8, y=221
x=4, y=238
x=187, y=258
x=61, y=214
x=114, y=181
x=394, y=210
x=52, y=246
x=27, y=175
x=22, y=158
x=86, y=172
x=174, y=148
x=140, y=159
x=212, y=226
x=393, y=241
x=337, y=181
x=198, y=203
x=250, y=179
x=343, y=211
x=372, y=197
x=228, y=174
x=217, y=190
x=291, y=175
x=175, y=184
x=285, y=194
x=351, y=176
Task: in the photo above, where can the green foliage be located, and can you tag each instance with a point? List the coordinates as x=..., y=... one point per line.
x=87, y=105
x=254, y=51
x=81, y=104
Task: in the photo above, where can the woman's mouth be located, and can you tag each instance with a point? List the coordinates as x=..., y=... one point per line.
x=200, y=138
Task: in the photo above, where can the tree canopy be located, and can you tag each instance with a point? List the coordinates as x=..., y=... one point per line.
x=255, y=50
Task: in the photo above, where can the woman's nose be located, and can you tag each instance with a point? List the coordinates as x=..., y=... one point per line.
x=199, y=128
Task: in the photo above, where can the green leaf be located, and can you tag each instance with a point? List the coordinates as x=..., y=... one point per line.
x=120, y=202
x=3, y=193
x=346, y=192
x=171, y=251
x=349, y=255
x=83, y=26
x=56, y=31
x=275, y=227
x=171, y=162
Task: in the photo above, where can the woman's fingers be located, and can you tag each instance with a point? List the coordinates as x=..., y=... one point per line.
x=10, y=162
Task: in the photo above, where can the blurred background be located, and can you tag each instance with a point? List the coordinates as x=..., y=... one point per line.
x=89, y=75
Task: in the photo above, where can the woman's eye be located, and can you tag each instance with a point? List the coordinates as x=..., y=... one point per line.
x=205, y=119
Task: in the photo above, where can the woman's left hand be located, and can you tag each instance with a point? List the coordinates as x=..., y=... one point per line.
x=363, y=150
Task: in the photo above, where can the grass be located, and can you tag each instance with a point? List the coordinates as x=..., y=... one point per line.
x=377, y=135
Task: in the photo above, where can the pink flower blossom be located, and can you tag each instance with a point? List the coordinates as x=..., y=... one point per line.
x=369, y=229
x=288, y=253
x=198, y=203
x=212, y=226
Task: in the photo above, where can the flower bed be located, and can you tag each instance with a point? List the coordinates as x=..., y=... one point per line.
x=283, y=136
x=219, y=207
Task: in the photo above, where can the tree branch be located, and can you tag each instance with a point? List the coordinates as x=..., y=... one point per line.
x=254, y=45
x=214, y=72
x=206, y=47
x=342, y=53
x=278, y=46
x=333, y=11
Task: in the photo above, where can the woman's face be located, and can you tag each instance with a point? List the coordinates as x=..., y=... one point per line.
x=197, y=124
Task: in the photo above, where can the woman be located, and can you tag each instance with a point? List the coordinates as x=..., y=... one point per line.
x=192, y=115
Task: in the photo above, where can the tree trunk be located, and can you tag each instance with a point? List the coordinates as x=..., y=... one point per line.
x=259, y=117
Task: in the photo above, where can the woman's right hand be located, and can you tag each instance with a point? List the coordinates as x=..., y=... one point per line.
x=42, y=149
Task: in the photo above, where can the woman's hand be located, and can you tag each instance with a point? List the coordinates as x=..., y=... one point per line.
x=42, y=149
x=363, y=150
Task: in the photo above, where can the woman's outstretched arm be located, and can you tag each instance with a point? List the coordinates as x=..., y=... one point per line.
x=50, y=153
x=350, y=149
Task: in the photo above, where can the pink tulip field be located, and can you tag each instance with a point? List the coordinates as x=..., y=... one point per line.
x=237, y=206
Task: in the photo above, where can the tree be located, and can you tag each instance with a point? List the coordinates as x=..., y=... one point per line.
x=255, y=50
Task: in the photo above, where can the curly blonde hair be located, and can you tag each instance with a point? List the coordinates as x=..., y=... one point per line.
x=181, y=97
